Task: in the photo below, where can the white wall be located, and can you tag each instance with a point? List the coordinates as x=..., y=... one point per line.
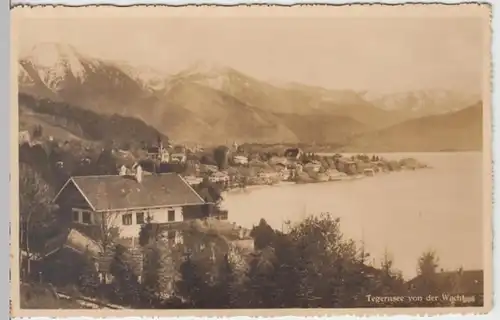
x=115, y=219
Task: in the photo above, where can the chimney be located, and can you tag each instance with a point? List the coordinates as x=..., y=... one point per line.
x=138, y=174
x=123, y=170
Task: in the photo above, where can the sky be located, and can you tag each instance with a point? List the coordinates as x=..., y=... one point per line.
x=377, y=54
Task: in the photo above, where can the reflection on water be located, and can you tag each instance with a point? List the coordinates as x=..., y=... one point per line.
x=404, y=213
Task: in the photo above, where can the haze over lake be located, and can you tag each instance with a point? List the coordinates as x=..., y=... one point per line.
x=405, y=213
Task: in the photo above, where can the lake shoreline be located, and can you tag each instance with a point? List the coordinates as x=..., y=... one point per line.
x=251, y=188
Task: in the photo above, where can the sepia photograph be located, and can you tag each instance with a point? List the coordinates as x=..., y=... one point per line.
x=250, y=160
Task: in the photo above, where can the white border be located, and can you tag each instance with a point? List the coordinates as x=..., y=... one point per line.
x=495, y=314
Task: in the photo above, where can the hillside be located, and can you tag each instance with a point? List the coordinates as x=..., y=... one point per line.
x=458, y=131
x=66, y=122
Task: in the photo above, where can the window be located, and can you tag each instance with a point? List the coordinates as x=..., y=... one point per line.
x=171, y=215
x=86, y=217
x=139, y=218
x=76, y=216
x=127, y=219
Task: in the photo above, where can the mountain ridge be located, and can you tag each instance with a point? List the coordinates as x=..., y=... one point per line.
x=209, y=103
x=461, y=130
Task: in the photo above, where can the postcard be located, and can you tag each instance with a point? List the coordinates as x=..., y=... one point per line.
x=251, y=160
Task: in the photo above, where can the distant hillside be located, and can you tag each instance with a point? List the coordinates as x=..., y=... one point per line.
x=421, y=103
x=457, y=131
x=65, y=122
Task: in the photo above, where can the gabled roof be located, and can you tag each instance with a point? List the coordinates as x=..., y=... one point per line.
x=123, y=192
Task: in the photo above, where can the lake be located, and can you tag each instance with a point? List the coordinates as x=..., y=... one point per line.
x=405, y=213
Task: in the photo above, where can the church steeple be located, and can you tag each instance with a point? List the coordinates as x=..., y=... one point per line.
x=160, y=143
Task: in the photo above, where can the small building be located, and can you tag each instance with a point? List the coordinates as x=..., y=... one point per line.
x=313, y=166
x=126, y=202
x=283, y=172
x=347, y=166
x=219, y=177
x=178, y=157
x=158, y=152
x=240, y=159
x=293, y=154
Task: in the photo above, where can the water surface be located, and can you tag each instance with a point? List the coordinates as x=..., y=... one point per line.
x=404, y=213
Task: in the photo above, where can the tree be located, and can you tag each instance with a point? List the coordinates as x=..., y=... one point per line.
x=328, y=266
x=37, y=213
x=426, y=269
x=125, y=281
x=104, y=232
x=261, y=274
x=210, y=192
x=106, y=163
x=428, y=263
x=387, y=281
x=226, y=287
x=146, y=234
x=221, y=156
x=160, y=271
x=88, y=280
x=191, y=283
x=263, y=234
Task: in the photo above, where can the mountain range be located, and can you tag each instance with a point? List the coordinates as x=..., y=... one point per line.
x=212, y=104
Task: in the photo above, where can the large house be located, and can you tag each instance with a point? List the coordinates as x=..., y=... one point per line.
x=128, y=201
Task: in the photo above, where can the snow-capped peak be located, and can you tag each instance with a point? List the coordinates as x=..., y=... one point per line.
x=208, y=74
x=54, y=62
x=148, y=77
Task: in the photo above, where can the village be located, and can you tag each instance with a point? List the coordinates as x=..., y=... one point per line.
x=236, y=166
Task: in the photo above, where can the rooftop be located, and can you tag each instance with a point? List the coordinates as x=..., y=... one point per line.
x=113, y=192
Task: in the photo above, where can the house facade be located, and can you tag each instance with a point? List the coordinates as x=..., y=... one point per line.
x=240, y=159
x=125, y=202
